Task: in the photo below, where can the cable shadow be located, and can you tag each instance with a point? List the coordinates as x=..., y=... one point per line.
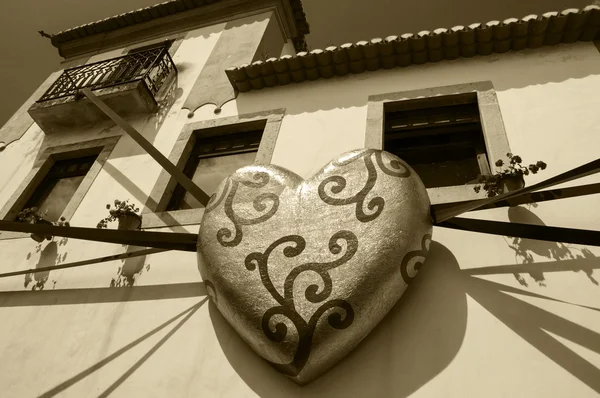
x=131, y=187
x=526, y=251
x=155, y=348
x=80, y=376
x=509, y=289
x=546, y=266
x=429, y=323
x=101, y=295
x=149, y=125
x=532, y=324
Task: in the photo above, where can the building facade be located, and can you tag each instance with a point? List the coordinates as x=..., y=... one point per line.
x=219, y=85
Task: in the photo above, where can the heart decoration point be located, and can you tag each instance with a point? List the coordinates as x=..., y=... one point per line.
x=303, y=270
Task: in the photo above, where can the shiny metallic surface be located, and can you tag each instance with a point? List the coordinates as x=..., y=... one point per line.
x=303, y=270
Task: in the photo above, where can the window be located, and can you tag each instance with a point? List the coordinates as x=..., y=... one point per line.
x=212, y=160
x=208, y=152
x=440, y=138
x=55, y=191
x=59, y=180
x=449, y=135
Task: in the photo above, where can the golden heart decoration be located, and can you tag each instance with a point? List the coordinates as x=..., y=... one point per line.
x=303, y=270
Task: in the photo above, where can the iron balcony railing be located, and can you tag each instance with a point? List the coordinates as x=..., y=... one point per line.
x=151, y=66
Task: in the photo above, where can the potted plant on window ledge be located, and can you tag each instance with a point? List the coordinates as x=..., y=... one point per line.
x=510, y=178
x=125, y=213
x=30, y=215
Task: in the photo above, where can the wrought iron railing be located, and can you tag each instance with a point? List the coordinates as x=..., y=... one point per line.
x=151, y=66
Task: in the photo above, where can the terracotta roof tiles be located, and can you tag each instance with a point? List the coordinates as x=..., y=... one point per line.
x=167, y=8
x=532, y=31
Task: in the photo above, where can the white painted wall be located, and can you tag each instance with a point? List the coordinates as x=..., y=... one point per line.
x=454, y=333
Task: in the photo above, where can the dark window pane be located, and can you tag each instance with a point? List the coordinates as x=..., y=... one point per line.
x=212, y=160
x=441, y=144
x=210, y=172
x=56, y=196
x=58, y=187
x=454, y=168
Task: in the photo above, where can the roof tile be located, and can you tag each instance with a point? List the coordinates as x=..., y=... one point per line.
x=531, y=31
x=166, y=8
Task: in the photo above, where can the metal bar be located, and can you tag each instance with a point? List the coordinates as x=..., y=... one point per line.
x=578, y=172
x=156, y=59
x=535, y=197
x=181, y=178
x=529, y=231
x=159, y=240
x=98, y=260
x=110, y=72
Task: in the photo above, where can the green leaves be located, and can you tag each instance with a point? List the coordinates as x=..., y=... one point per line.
x=121, y=208
x=493, y=184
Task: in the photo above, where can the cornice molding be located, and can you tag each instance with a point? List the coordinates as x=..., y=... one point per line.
x=532, y=31
x=173, y=17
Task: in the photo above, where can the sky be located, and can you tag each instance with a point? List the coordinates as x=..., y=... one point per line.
x=27, y=58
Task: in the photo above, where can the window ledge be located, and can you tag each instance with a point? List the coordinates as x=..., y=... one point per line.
x=171, y=218
x=456, y=193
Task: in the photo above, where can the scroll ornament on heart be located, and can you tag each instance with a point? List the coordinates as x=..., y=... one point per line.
x=302, y=269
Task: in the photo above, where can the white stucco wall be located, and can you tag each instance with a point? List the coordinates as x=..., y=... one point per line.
x=455, y=332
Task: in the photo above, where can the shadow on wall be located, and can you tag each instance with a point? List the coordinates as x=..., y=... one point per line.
x=101, y=295
x=49, y=257
x=165, y=103
x=513, y=70
x=526, y=250
x=428, y=323
x=149, y=125
x=130, y=269
x=422, y=334
x=180, y=318
x=416, y=341
x=534, y=325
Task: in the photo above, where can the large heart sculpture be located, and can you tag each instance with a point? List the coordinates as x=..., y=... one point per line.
x=304, y=269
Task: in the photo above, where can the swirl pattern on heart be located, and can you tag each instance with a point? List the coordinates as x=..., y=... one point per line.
x=376, y=204
x=287, y=306
x=224, y=235
x=303, y=269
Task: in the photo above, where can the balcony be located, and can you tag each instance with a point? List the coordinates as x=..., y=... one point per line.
x=130, y=84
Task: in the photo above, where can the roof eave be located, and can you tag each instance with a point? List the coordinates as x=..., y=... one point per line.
x=532, y=31
x=175, y=16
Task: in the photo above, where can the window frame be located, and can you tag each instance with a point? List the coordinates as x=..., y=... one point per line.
x=46, y=186
x=42, y=165
x=154, y=213
x=175, y=39
x=492, y=125
x=167, y=43
x=194, y=159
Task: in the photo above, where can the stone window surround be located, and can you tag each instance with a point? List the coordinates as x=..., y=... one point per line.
x=154, y=213
x=43, y=164
x=494, y=134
